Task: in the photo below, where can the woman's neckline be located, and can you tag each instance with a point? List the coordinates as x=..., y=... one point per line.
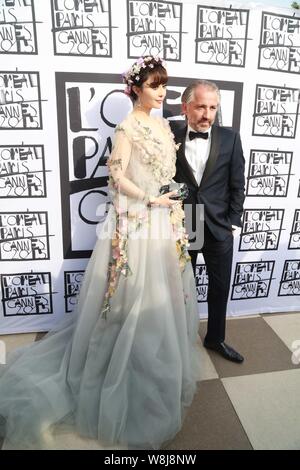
x=144, y=118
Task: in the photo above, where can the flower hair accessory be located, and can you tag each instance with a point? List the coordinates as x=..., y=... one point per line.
x=132, y=76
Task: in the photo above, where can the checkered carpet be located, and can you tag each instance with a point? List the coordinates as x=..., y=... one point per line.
x=254, y=405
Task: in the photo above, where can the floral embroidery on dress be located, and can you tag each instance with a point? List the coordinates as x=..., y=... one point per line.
x=137, y=220
x=126, y=223
x=119, y=262
x=115, y=163
x=113, y=182
x=182, y=241
x=154, y=153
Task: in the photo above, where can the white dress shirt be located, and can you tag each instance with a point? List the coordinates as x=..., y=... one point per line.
x=197, y=152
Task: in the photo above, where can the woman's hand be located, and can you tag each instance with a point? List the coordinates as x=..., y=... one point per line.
x=164, y=200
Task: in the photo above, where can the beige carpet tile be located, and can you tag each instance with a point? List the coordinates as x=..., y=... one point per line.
x=268, y=406
x=211, y=422
x=257, y=342
x=207, y=368
x=12, y=342
x=279, y=313
x=287, y=327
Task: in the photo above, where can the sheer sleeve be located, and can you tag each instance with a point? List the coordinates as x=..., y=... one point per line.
x=118, y=163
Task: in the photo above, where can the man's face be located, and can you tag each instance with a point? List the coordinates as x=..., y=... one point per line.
x=201, y=111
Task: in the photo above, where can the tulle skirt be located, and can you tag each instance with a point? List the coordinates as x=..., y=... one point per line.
x=124, y=378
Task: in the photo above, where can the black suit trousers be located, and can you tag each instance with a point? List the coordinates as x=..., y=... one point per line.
x=218, y=259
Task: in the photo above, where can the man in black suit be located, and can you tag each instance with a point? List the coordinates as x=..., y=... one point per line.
x=210, y=161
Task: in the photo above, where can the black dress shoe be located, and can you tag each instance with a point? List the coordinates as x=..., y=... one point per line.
x=226, y=351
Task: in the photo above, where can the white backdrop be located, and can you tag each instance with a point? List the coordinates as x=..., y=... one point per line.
x=61, y=96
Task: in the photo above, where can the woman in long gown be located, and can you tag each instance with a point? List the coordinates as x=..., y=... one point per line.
x=124, y=366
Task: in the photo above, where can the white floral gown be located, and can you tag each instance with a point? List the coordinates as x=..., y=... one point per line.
x=124, y=366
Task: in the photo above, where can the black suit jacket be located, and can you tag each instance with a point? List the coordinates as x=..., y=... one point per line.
x=223, y=183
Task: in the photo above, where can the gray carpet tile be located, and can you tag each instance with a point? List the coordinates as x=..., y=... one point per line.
x=261, y=347
x=211, y=422
x=40, y=335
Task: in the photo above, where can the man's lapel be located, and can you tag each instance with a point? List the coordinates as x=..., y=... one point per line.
x=181, y=134
x=213, y=154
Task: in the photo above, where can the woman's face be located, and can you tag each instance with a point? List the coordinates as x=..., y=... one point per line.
x=149, y=96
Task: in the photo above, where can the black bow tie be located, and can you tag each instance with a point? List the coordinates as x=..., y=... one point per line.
x=195, y=135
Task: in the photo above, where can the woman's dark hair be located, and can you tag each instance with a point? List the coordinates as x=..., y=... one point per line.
x=140, y=72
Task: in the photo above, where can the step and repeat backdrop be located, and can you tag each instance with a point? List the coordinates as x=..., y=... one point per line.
x=61, y=96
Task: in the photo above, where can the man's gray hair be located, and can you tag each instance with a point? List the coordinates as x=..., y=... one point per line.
x=188, y=93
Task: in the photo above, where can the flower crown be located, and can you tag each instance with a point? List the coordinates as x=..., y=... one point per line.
x=132, y=75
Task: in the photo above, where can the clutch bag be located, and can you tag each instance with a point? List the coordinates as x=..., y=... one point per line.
x=181, y=189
